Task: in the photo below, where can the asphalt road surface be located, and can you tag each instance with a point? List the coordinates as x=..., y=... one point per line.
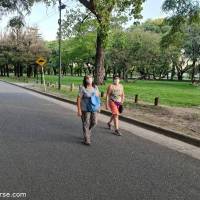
x=41, y=154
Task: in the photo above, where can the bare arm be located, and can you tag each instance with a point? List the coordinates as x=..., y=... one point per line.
x=79, y=106
x=108, y=96
x=97, y=91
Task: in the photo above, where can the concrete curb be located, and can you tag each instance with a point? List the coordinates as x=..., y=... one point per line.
x=167, y=132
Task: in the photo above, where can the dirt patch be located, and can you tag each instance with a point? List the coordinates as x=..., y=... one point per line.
x=185, y=120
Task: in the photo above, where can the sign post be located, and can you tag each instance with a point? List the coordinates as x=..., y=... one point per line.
x=41, y=62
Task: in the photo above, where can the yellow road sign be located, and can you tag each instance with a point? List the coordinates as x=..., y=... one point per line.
x=41, y=61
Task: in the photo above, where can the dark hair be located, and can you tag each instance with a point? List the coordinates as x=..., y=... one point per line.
x=85, y=82
x=115, y=76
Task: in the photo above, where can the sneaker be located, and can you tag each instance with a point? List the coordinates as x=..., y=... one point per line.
x=109, y=125
x=117, y=133
x=87, y=143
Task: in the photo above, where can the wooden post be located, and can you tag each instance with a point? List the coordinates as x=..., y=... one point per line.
x=72, y=87
x=43, y=80
x=136, y=98
x=102, y=94
x=156, y=102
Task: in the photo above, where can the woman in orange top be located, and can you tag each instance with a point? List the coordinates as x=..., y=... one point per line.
x=114, y=98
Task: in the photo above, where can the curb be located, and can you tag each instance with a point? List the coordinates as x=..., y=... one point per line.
x=167, y=132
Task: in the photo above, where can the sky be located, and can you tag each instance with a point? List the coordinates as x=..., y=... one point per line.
x=46, y=19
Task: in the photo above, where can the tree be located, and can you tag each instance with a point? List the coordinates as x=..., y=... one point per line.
x=192, y=46
x=183, y=33
x=18, y=5
x=155, y=25
x=181, y=12
x=102, y=10
x=118, y=53
x=21, y=48
x=137, y=50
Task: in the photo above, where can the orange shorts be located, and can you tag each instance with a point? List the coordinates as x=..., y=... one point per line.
x=113, y=108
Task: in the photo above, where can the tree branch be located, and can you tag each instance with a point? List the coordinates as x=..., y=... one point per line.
x=89, y=4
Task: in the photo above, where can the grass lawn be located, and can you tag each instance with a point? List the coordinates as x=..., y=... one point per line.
x=182, y=94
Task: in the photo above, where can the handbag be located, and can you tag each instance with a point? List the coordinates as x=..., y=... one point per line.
x=93, y=102
x=121, y=108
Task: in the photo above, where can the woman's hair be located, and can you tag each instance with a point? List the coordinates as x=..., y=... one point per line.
x=85, y=82
x=115, y=76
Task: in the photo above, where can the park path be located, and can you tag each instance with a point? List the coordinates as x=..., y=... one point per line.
x=41, y=155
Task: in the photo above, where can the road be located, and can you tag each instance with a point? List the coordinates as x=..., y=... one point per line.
x=41, y=155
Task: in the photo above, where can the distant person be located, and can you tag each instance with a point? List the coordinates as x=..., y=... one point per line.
x=88, y=104
x=114, y=101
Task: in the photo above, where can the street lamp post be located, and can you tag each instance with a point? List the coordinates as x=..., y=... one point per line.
x=61, y=6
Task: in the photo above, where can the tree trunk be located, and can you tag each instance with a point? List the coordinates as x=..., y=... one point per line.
x=193, y=71
x=125, y=72
x=99, y=61
x=1, y=71
x=71, y=70
x=29, y=71
x=7, y=70
x=114, y=70
x=120, y=74
x=126, y=77
x=173, y=72
x=17, y=69
x=35, y=71
x=21, y=69
x=48, y=71
x=54, y=71
x=180, y=76
x=4, y=70
x=81, y=71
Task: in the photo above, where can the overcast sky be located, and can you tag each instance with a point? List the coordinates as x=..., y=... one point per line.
x=47, y=18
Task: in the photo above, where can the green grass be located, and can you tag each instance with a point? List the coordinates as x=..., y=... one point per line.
x=66, y=80
x=181, y=94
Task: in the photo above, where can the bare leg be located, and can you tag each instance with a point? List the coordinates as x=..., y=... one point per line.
x=111, y=119
x=109, y=123
x=116, y=122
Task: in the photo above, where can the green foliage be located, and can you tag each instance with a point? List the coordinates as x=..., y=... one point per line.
x=138, y=50
x=185, y=8
x=21, y=48
x=19, y=5
x=181, y=13
x=77, y=22
x=192, y=42
x=156, y=25
x=76, y=50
